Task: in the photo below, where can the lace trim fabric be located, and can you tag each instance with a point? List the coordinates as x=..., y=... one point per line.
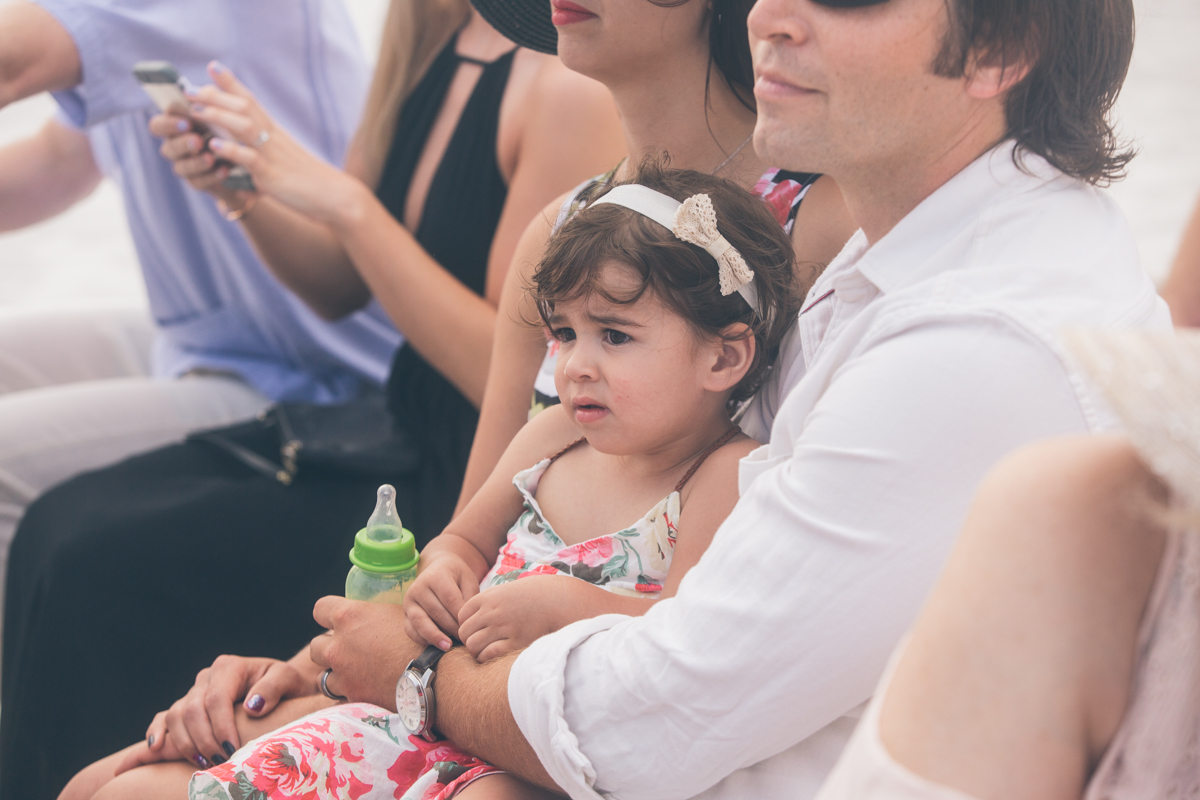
x=1152, y=383
x=1156, y=751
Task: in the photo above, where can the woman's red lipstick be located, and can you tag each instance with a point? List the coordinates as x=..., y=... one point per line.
x=564, y=12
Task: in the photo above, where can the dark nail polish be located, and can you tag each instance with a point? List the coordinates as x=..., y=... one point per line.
x=217, y=758
x=256, y=703
x=228, y=748
x=150, y=740
x=201, y=761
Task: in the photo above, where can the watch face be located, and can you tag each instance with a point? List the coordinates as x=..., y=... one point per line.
x=410, y=702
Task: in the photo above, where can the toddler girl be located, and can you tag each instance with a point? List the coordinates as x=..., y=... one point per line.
x=669, y=297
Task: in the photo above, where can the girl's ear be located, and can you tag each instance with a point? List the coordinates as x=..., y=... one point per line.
x=734, y=355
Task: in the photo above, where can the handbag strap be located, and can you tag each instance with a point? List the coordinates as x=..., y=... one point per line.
x=284, y=474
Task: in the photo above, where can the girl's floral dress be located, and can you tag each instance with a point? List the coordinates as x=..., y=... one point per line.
x=350, y=751
x=359, y=751
x=632, y=561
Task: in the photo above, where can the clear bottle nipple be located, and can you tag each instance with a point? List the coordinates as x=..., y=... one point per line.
x=384, y=524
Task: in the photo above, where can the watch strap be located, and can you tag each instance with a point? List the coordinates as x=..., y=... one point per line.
x=427, y=660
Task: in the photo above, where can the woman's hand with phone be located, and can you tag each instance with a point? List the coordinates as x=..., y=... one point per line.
x=280, y=166
x=185, y=144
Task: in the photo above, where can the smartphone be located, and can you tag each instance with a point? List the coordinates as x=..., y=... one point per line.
x=168, y=89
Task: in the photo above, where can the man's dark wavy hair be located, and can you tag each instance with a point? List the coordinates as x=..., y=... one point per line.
x=1080, y=52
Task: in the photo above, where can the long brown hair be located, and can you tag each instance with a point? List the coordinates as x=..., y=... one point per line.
x=1078, y=51
x=728, y=47
x=414, y=32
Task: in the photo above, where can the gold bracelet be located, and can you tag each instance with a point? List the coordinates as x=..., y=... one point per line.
x=238, y=213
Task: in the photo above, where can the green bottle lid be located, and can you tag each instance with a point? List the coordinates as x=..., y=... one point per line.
x=384, y=549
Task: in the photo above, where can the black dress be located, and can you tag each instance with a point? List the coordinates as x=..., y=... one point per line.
x=125, y=582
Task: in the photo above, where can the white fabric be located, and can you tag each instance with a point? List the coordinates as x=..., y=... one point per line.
x=76, y=394
x=916, y=364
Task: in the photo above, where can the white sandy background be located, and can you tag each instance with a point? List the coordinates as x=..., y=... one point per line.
x=85, y=255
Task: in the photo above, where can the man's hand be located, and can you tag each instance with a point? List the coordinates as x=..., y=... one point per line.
x=512, y=615
x=366, y=648
x=433, y=602
x=200, y=727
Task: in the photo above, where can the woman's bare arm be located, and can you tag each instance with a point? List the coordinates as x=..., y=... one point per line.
x=1018, y=671
x=518, y=347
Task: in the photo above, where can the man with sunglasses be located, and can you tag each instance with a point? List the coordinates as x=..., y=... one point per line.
x=967, y=137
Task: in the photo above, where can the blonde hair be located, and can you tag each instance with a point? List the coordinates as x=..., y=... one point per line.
x=414, y=32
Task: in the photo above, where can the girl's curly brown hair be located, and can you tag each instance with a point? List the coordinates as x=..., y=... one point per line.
x=682, y=276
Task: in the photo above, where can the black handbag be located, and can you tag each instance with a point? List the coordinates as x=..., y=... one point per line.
x=359, y=437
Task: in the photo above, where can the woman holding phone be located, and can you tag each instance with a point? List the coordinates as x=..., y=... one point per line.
x=184, y=553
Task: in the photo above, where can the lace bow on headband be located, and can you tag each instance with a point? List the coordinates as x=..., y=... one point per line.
x=693, y=221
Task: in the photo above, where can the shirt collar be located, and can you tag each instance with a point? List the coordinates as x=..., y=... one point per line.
x=903, y=255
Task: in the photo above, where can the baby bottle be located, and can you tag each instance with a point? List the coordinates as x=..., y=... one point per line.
x=384, y=555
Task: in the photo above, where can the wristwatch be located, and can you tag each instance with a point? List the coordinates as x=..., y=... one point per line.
x=414, y=694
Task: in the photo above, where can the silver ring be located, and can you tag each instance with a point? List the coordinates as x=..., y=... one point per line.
x=325, y=688
x=263, y=138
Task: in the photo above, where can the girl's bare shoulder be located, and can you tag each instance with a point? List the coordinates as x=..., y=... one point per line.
x=716, y=480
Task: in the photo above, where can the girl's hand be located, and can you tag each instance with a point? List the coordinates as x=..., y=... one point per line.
x=512, y=615
x=433, y=602
x=280, y=167
x=200, y=727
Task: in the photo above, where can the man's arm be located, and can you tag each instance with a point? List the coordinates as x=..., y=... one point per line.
x=44, y=175
x=1182, y=287
x=473, y=712
x=367, y=651
x=36, y=53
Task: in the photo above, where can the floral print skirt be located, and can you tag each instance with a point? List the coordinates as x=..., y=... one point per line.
x=355, y=751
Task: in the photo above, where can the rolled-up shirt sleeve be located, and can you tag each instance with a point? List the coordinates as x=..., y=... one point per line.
x=111, y=36
x=786, y=623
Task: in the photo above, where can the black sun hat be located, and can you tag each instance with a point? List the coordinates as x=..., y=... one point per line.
x=525, y=22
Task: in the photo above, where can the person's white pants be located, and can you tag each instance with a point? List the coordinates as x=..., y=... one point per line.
x=76, y=394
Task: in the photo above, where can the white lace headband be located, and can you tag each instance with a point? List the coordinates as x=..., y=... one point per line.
x=695, y=222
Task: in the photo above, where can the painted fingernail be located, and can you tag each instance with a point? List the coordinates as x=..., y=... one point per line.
x=256, y=703
x=201, y=761
x=228, y=748
x=197, y=108
x=150, y=740
x=216, y=143
x=217, y=758
x=182, y=125
x=219, y=67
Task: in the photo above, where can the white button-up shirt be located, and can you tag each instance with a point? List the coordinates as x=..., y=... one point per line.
x=915, y=365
